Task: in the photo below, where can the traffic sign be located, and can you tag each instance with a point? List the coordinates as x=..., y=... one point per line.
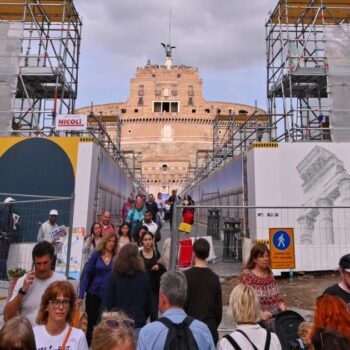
x=282, y=248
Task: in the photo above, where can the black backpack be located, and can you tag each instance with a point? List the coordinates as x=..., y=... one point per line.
x=237, y=347
x=179, y=335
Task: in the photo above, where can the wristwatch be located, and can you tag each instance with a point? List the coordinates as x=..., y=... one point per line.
x=21, y=291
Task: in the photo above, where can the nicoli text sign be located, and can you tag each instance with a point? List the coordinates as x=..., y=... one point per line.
x=71, y=122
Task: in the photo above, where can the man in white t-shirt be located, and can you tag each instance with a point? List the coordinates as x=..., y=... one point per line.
x=147, y=221
x=26, y=296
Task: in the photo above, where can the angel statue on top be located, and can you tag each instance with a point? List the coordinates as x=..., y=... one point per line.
x=168, y=49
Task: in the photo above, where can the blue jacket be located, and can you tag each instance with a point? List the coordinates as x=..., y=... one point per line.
x=94, y=279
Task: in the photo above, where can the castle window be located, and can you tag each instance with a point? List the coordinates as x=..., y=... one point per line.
x=174, y=91
x=193, y=111
x=140, y=103
x=174, y=107
x=141, y=90
x=153, y=75
x=165, y=107
x=190, y=90
x=129, y=131
x=207, y=110
x=123, y=110
x=157, y=106
x=136, y=110
x=190, y=101
x=164, y=168
x=179, y=75
x=218, y=111
x=242, y=111
x=158, y=90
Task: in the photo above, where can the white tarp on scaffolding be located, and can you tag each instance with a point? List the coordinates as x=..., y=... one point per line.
x=337, y=52
x=10, y=50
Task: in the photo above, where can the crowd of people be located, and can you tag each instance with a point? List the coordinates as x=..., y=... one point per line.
x=133, y=302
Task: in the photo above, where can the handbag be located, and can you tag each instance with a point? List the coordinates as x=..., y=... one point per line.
x=80, y=319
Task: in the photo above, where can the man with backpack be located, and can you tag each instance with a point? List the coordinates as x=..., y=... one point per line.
x=174, y=330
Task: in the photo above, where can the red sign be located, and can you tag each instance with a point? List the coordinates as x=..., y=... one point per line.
x=71, y=122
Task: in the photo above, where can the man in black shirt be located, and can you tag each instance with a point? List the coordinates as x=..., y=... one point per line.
x=204, y=298
x=152, y=206
x=342, y=289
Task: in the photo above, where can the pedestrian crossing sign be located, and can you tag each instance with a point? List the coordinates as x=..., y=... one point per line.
x=282, y=248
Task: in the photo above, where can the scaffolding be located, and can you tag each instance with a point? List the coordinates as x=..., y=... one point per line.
x=232, y=136
x=48, y=61
x=302, y=97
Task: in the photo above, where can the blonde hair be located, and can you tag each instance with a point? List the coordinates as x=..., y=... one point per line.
x=17, y=333
x=244, y=304
x=304, y=329
x=105, y=337
x=101, y=246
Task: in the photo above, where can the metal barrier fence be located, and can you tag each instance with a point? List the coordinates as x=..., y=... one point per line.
x=20, y=219
x=321, y=234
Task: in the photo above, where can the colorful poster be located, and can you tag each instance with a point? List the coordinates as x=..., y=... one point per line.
x=75, y=260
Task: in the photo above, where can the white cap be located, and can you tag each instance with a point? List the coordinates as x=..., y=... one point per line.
x=9, y=200
x=53, y=212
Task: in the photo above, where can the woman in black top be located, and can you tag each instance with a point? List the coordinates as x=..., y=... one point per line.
x=153, y=267
x=129, y=288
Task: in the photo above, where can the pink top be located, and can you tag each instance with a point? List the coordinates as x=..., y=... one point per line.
x=108, y=229
x=267, y=290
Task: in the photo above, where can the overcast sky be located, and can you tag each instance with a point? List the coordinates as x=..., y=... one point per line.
x=225, y=39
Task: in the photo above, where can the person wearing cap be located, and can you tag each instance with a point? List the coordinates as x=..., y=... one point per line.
x=45, y=232
x=342, y=289
x=6, y=233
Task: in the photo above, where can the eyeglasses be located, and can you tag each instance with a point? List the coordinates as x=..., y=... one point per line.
x=126, y=322
x=56, y=303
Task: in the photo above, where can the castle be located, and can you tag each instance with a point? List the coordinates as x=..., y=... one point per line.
x=166, y=126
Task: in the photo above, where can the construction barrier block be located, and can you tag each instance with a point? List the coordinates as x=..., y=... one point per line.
x=185, y=252
x=183, y=227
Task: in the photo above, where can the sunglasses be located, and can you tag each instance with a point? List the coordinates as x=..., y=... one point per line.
x=126, y=322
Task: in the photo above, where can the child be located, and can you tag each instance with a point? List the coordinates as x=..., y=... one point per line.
x=304, y=332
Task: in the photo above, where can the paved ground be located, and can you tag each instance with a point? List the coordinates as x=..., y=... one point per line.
x=299, y=296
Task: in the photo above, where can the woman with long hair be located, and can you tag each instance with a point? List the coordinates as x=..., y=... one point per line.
x=115, y=332
x=188, y=213
x=124, y=234
x=258, y=274
x=139, y=232
x=246, y=312
x=17, y=333
x=153, y=267
x=55, y=316
x=324, y=339
x=332, y=313
x=95, y=277
x=91, y=241
x=129, y=288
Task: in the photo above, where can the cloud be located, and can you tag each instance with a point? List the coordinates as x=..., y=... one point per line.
x=217, y=36
x=220, y=34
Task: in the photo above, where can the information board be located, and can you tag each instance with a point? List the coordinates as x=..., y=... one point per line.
x=282, y=248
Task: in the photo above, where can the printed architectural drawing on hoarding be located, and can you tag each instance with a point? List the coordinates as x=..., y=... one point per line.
x=305, y=186
x=325, y=180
